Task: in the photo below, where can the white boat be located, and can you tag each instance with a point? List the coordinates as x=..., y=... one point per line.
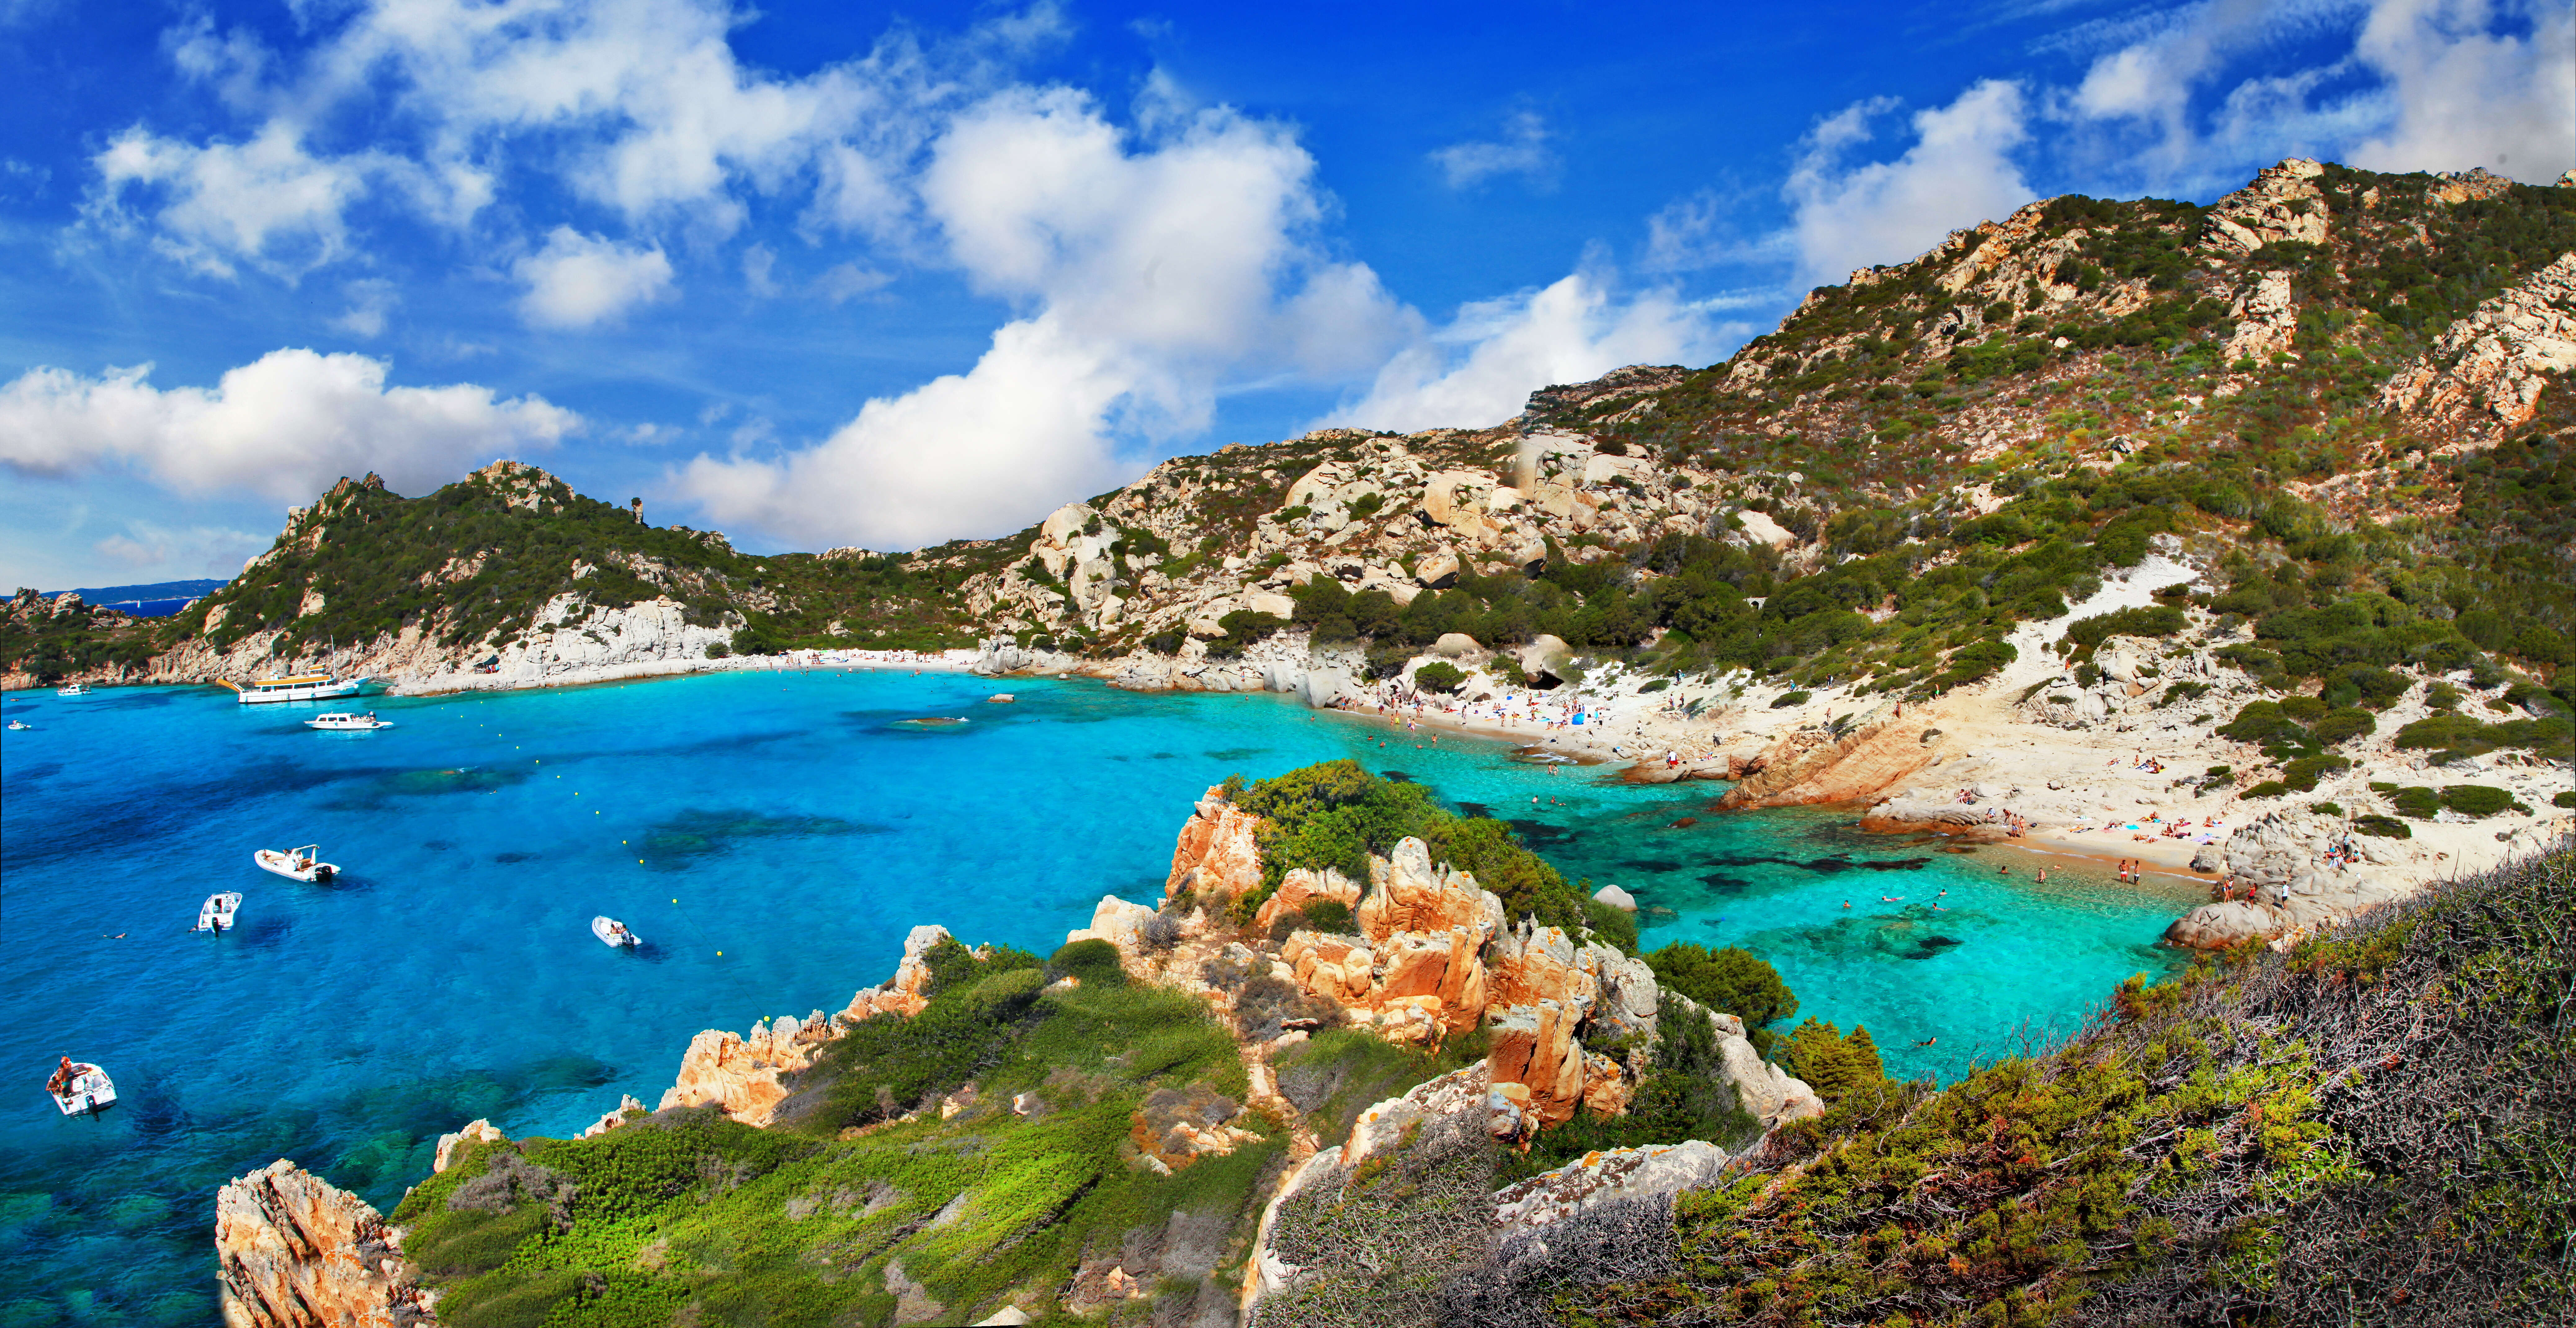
x=216, y=914
x=613, y=933
x=297, y=864
x=20, y=724
x=73, y=689
x=87, y=1091
x=347, y=721
x=298, y=687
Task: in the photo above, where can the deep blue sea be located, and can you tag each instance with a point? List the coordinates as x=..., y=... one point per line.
x=771, y=836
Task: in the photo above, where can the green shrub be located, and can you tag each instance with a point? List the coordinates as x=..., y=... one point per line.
x=2147, y=620
x=1729, y=980
x=2420, y=803
x=1439, y=676
x=2386, y=827
x=1786, y=699
x=2265, y=722
x=2343, y=725
x=2564, y=798
x=2302, y=774
x=1330, y=915
x=1092, y=963
x=2326, y=808
x=2270, y=788
x=1831, y=1063
x=2476, y=799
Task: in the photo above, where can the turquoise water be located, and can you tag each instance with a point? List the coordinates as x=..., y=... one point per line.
x=772, y=837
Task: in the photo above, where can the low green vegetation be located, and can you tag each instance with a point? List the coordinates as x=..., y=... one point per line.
x=1334, y=815
x=685, y=1216
x=1729, y=980
x=52, y=646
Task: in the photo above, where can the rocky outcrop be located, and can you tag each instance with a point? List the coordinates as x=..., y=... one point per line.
x=2486, y=372
x=450, y=1145
x=1900, y=816
x=742, y=1074
x=2280, y=860
x=1176, y=1127
x=1299, y=888
x=1217, y=857
x=1536, y=1065
x=907, y=993
x=292, y=1251
x=1814, y=766
x=1410, y=895
x=2280, y=203
x=1386, y=1125
x=1604, y=1177
x=745, y=1074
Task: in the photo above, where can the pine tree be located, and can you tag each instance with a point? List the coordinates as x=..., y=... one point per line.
x=1861, y=1051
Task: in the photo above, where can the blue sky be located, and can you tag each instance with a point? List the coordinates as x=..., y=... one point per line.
x=855, y=274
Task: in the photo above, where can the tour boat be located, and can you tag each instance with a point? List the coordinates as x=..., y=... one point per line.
x=613, y=934
x=88, y=1092
x=297, y=864
x=298, y=687
x=72, y=689
x=216, y=914
x=347, y=721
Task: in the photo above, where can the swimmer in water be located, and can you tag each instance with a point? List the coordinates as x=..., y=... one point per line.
x=1847, y=903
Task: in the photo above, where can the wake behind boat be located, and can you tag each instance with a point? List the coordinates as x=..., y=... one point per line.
x=297, y=864
x=216, y=914
x=347, y=721
x=298, y=687
x=613, y=933
x=80, y=1088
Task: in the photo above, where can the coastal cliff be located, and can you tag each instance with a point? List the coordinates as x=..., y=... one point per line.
x=294, y=1252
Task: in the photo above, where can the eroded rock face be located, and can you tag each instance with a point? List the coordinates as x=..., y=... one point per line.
x=1217, y=857
x=907, y=993
x=743, y=1074
x=1412, y=895
x=1811, y=767
x=1598, y=1178
x=1535, y=1062
x=2487, y=370
x=1384, y=1125
x=293, y=1251
x=2280, y=203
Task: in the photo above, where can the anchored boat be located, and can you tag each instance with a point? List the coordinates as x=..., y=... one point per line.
x=299, y=687
x=297, y=864
x=613, y=933
x=347, y=721
x=216, y=914
x=73, y=689
x=81, y=1089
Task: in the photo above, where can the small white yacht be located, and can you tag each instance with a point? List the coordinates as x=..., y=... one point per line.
x=613, y=933
x=72, y=689
x=347, y=721
x=82, y=1089
x=216, y=914
x=17, y=724
x=297, y=864
x=297, y=687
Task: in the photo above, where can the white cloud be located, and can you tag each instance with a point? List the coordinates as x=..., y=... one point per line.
x=1151, y=271
x=370, y=299
x=759, y=270
x=1480, y=370
x=844, y=282
x=2467, y=91
x=1521, y=150
x=1959, y=171
x=148, y=546
x=266, y=201
x=581, y=280
x=285, y=425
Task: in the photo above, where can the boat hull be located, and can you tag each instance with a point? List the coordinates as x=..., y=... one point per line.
x=91, y=1091
x=613, y=934
x=216, y=914
x=270, y=860
x=317, y=692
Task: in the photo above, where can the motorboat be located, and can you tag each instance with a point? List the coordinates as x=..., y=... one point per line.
x=613, y=933
x=295, y=687
x=19, y=724
x=72, y=689
x=82, y=1089
x=297, y=864
x=216, y=914
x=347, y=721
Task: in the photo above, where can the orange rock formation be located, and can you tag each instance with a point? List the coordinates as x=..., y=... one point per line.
x=292, y=1251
